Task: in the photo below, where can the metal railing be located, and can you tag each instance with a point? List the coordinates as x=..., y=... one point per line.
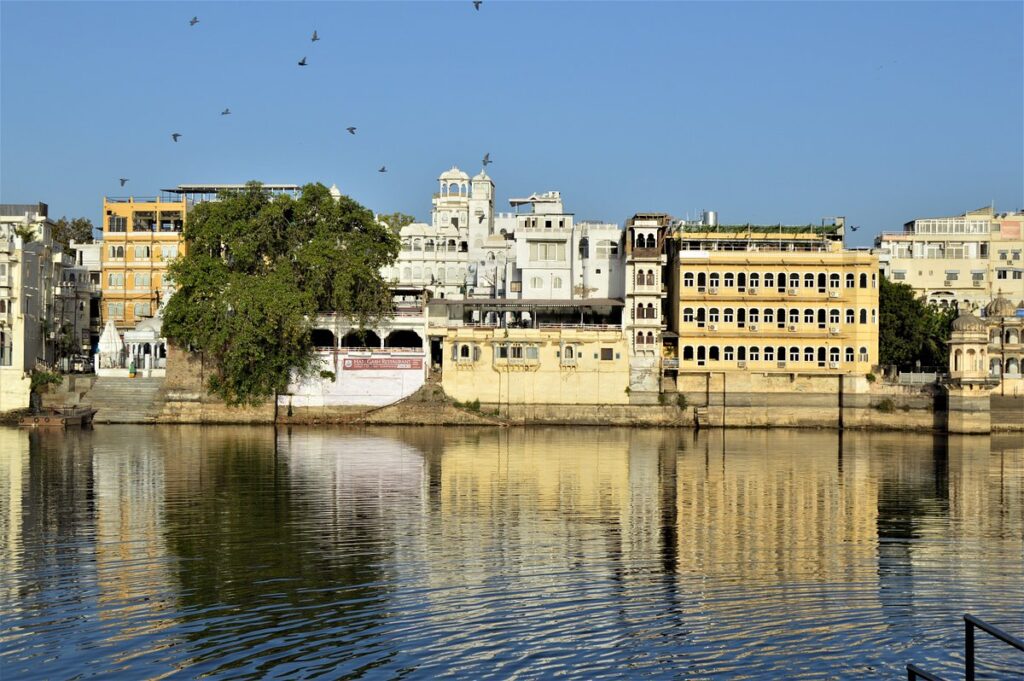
x=970, y=623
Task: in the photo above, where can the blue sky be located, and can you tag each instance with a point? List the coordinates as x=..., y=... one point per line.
x=765, y=111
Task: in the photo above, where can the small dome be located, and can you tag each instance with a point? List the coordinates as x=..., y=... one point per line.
x=1000, y=307
x=968, y=323
x=453, y=174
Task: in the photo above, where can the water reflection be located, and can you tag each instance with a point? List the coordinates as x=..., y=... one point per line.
x=250, y=552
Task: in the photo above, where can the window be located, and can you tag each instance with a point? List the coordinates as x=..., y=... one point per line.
x=536, y=282
x=607, y=354
x=141, y=310
x=849, y=354
x=752, y=315
x=688, y=314
x=850, y=316
x=547, y=251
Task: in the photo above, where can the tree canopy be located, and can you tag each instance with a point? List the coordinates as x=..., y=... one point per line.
x=77, y=229
x=396, y=221
x=909, y=329
x=258, y=267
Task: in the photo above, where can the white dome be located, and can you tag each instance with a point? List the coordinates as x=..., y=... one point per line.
x=453, y=175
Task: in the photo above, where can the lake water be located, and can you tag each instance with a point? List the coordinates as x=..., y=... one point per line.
x=245, y=553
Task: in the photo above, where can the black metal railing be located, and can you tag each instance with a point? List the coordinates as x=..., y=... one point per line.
x=970, y=623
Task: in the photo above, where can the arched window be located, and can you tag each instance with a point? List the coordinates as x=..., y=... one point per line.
x=650, y=277
x=849, y=354
x=849, y=280
x=850, y=316
x=863, y=316
x=688, y=279
x=863, y=280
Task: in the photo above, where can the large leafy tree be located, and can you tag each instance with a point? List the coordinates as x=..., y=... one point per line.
x=77, y=229
x=910, y=330
x=258, y=268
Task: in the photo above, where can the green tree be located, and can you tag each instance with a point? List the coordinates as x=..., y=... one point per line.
x=79, y=229
x=910, y=330
x=257, y=269
x=396, y=221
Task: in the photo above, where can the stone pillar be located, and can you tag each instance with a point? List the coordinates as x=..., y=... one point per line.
x=969, y=410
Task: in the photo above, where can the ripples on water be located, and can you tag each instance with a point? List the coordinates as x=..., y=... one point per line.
x=144, y=553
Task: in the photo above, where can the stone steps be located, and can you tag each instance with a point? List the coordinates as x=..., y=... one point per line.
x=126, y=400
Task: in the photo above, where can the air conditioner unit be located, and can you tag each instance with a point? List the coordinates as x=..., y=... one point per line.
x=833, y=294
x=792, y=327
x=833, y=365
x=741, y=364
x=753, y=327
x=752, y=290
x=782, y=364
x=713, y=290
x=793, y=291
x=834, y=330
x=712, y=327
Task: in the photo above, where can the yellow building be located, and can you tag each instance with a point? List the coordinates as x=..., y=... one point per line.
x=764, y=298
x=141, y=235
x=581, y=365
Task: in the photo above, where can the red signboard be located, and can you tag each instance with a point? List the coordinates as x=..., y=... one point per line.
x=386, y=363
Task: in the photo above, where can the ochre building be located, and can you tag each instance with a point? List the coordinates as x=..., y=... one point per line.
x=770, y=298
x=141, y=235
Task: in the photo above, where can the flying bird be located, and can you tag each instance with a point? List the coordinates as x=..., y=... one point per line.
x=302, y=62
x=351, y=130
x=193, y=21
x=315, y=37
x=476, y=4
x=383, y=169
x=175, y=136
x=124, y=180
x=225, y=112
x=487, y=159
